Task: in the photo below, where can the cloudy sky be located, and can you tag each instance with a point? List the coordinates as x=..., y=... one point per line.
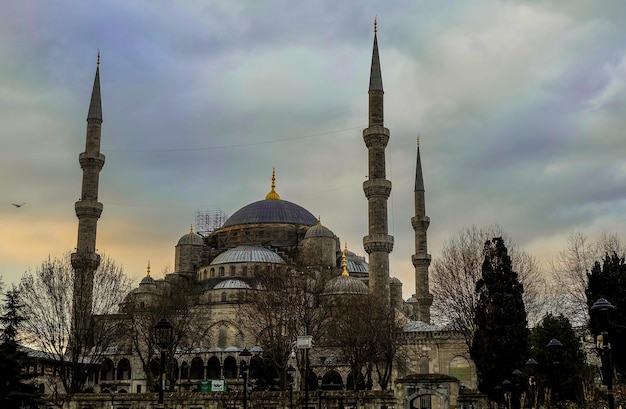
x=520, y=107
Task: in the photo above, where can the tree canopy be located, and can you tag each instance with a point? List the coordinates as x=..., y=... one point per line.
x=500, y=341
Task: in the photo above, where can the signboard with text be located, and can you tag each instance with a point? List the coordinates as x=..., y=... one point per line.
x=212, y=385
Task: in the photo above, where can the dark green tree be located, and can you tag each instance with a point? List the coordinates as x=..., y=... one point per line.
x=500, y=342
x=608, y=280
x=15, y=389
x=563, y=369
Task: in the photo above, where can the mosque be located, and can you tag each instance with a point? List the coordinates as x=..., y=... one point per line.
x=274, y=234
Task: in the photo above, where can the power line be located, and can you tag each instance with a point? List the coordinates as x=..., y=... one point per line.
x=240, y=145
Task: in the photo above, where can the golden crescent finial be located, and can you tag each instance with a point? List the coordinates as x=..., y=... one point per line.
x=272, y=195
x=98, y=57
x=418, y=140
x=191, y=229
x=375, y=24
x=148, y=269
x=344, y=264
x=319, y=220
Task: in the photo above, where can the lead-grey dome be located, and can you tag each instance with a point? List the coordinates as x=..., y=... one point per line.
x=319, y=231
x=354, y=263
x=344, y=285
x=231, y=284
x=271, y=211
x=191, y=238
x=248, y=254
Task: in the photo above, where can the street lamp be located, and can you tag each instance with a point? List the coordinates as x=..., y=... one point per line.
x=163, y=338
x=555, y=345
x=600, y=311
x=244, y=367
x=305, y=342
x=290, y=374
x=532, y=382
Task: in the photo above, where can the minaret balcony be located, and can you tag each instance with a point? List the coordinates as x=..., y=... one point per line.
x=374, y=243
x=377, y=188
x=85, y=261
x=420, y=222
x=88, y=208
x=91, y=160
x=376, y=135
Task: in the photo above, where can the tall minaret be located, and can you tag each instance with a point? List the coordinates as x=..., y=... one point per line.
x=85, y=261
x=421, y=258
x=378, y=243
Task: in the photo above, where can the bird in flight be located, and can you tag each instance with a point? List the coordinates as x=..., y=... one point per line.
x=18, y=205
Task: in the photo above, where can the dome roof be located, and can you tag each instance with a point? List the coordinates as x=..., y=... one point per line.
x=355, y=264
x=247, y=254
x=231, y=284
x=394, y=281
x=191, y=238
x=271, y=211
x=345, y=285
x=147, y=280
x=319, y=231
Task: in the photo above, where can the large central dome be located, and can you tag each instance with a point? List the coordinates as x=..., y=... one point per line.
x=272, y=211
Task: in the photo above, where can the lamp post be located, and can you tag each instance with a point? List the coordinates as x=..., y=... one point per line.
x=112, y=391
x=506, y=385
x=319, y=391
x=163, y=338
x=516, y=393
x=244, y=368
x=555, y=345
x=532, y=382
x=600, y=311
x=305, y=342
x=290, y=373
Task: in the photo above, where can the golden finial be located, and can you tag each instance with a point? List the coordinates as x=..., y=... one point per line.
x=148, y=270
x=272, y=195
x=418, y=140
x=344, y=264
x=319, y=220
x=346, y=247
x=98, y=57
x=191, y=229
x=375, y=24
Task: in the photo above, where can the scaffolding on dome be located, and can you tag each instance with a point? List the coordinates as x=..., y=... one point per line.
x=207, y=221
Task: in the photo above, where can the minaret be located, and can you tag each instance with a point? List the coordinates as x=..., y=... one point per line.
x=85, y=261
x=421, y=258
x=378, y=243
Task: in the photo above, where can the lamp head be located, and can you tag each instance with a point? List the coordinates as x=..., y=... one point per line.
x=163, y=333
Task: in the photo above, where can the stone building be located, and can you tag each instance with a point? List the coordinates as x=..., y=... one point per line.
x=270, y=235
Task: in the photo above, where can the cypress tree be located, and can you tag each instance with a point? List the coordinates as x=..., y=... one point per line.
x=500, y=342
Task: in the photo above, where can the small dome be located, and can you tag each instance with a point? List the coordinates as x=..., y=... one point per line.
x=248, y=254
x=395, y=281
x=319, y=231
x=191, y=238
x=147, y=280
x=231, y=284
x=343, y=285
x=355, y=264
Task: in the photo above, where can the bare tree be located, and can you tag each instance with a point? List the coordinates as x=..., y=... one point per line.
x=175, y=299
x=284, y=304
x=47, y=296
x=570, y=268
x=454, y=274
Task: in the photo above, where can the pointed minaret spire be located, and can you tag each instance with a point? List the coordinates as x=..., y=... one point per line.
x=95, y=106
x=85, y=260
x=421, y=258
x=378, y=243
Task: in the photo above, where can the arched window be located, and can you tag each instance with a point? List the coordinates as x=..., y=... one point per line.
x=232, y=271
x=212, y=272
x=123, y=369
x=332, y=381
x=213, y=368
x=196, y=371
x=222, y=337
x=244, y=271
x=221, y=271
x=460, y=369
x=107, y=370
x=184, y=371
x=230, y=368
x=224, y=297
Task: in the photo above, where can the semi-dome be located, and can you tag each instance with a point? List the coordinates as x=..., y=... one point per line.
x=248, y=254
x=231, y=284
x=319, y=231
x=191, y=238
x=355, y=264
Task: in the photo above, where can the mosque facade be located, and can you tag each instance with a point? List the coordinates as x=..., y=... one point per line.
x=270, y=235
